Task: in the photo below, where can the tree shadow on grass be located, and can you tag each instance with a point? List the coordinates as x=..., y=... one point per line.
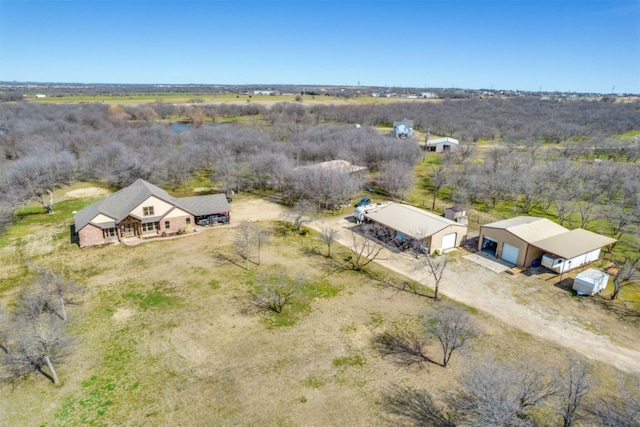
x=621, y=309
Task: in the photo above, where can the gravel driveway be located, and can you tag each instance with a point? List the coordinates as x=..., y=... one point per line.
x=497, y=294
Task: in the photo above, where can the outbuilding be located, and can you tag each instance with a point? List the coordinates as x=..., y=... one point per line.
x=590, y=282
x=524, y=240
x=418, y=228
x=442, y=145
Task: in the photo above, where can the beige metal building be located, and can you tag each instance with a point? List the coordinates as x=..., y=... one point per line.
x=524, y=239
x=409, y=223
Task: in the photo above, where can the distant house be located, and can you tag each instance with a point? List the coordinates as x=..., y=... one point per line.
x=426, y=95
x=143, y=210
x=403, y=129
x=525, y=240
x=405, y=223
x=341, y=166
x=440, y=145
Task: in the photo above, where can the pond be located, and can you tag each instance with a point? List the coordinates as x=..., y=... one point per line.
x=184, y=127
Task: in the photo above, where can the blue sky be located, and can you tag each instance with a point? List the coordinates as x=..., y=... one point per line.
x=565, y=45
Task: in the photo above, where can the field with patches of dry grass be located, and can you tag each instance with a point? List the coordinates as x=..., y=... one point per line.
x=168, y=335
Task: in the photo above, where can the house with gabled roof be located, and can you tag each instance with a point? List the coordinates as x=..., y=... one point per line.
x=526, y=240
x=143, y=210
x=403, y=129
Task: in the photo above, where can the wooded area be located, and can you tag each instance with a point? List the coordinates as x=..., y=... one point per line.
x=568, y=159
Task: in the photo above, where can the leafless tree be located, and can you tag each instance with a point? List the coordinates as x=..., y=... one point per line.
x=55, y=291
x=576, y=384
x=628, y=274
x=328, y=235
x=439, y=179
x=416, y=407
x=242, y=242
x=397, y=178
x=502, y=393
x=260, y=237
x=363, y=251
x=302, y=213
x=277, y=290
x=435, y=265
x=35, y=338
x=249, y=239
x=47, y=205
x=453, y=327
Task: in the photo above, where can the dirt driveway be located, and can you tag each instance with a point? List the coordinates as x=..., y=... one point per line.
x=530, y=304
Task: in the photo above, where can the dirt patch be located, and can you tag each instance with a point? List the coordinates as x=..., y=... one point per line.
x=86, y=193
x=122, y=314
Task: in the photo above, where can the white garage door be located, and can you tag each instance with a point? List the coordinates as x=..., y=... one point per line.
x=449, y=241
x=510, y=253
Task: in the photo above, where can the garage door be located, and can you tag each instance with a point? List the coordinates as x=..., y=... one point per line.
x=510, y=253
x=449, y=241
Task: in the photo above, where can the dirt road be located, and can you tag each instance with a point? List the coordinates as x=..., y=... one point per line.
x=498, y=295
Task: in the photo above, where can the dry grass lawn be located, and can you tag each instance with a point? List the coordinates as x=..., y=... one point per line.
x=167, y=336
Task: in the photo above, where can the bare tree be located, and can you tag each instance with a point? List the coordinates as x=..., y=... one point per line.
x=250, y=236
x=302, y=213
x=242, y=242
x=277, y=290
x=56, y=291
x=328, y=235
x=436, y=266
x=453, y=327
x=261, y=237
x=416, y=407
x=397, y=178
x=363, y=252
x=577, y=382
x=47, y=205
x=35, y=338
x=626, y=275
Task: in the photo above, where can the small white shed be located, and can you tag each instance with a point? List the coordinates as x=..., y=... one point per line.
x=590, y=282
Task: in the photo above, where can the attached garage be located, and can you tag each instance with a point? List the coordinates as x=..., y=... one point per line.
x=449, y=241
x=510, y=253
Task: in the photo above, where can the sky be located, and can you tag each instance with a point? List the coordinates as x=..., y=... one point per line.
x=564, y=45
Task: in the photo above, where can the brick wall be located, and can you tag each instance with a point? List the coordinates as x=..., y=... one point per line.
x=90, y=235
x=175, y=224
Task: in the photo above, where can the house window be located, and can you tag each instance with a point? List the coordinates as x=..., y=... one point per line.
x=147, y=210
x=110, y=232
x=149, y=226
x=188, y=221
x=167, y=224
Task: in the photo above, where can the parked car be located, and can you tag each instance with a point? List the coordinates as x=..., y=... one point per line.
x=363, y=202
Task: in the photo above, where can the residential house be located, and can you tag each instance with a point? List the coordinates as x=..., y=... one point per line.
x=143, y=210
x=403, y=129
x=525, y=241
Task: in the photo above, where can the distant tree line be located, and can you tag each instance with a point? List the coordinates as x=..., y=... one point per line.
x=45, y=146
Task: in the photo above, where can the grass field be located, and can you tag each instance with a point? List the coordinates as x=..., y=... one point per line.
x=168, y=335
x=190, y=98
